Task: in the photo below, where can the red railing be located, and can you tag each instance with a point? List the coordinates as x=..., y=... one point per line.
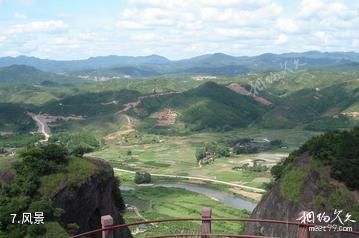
x=108, y=227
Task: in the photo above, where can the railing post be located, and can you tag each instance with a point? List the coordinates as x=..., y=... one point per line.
x=303, y=231
x=206, y=224
x=107, y=221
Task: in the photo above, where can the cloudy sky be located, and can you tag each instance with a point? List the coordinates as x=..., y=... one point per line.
x=76, y=29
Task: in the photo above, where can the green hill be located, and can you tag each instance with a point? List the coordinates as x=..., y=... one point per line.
x=13, y=118
x=314, y=106
x=90, y=104
x=24, y=74
x=209, y=106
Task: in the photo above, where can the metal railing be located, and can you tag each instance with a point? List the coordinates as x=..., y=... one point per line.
x=108, y=228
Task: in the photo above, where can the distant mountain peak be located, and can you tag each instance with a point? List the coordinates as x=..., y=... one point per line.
x=217, y=63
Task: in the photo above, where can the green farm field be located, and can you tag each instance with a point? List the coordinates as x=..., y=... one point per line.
x=166, y=203
x=175, y=155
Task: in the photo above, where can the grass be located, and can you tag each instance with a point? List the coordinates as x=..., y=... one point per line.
x=176, y=154
x=291, y=185
x=74, y=174
x=19, y=140
x=163, y=203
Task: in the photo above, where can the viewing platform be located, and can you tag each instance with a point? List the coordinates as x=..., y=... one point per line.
x=206, y=219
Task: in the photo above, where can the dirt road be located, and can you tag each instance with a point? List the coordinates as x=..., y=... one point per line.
x=134, y=104
x=43, y=128
x=251, y=189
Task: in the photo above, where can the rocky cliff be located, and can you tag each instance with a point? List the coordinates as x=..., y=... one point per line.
x=85, y=203
x=305, y=186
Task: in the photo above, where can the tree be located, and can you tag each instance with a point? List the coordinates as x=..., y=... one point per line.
x=200, y=153
x=277, y=171
x=222, y=150
x=55, y=152
x=276, y=143
x=44, y=206
x=142, y=177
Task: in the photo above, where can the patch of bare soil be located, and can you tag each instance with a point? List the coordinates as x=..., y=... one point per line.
x=165, y=117
x=135, y=105
x=44, y=121
x=242, y=91
x=48, y=119
x=351, y=114
x=254, y=196
x=117, y=134
x=6, y=133
x=196, y=182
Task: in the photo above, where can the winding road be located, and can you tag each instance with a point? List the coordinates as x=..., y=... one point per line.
x=134, y=104
x=248, y=188
x=43, y=128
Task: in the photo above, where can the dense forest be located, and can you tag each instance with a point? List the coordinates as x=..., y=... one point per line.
x=337, y=149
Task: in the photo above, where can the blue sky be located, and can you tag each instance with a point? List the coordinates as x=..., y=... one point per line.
x=76, y=29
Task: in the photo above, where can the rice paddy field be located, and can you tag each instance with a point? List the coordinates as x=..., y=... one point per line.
x=165, y=203
x=175, y=155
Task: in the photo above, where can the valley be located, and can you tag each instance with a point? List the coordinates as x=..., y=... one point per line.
x=209, y=142
x=179, y=118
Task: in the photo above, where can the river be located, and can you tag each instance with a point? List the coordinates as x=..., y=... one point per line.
x=220, y=196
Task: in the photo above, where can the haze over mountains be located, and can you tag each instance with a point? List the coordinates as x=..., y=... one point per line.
x=217, y=63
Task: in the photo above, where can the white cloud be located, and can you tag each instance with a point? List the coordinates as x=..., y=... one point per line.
x=195, y=14
x=355, y=42
x=236, y=16
x=324, y=8
x=309, y=7
x=322, y=36
x=289, y=25
x=281, y=39
x=38, y=26
x=144, y=36
x=201, y=3
x=241, y=33
x=20, y=16
x=130, y=25
x=186, y=28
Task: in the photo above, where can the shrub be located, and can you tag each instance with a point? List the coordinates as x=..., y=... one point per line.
x=55, y=152
x=142, y=177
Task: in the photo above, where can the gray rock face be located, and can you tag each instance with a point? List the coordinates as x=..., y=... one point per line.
x=86, y=203
x=275, y=207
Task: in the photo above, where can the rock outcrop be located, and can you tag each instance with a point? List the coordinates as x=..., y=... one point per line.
x=275, y=206
x=95, y=197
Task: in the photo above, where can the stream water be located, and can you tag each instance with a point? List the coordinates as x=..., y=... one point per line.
x=220, y=196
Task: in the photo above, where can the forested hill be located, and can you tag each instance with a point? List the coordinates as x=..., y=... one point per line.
x=208, y=106
x=25, y=74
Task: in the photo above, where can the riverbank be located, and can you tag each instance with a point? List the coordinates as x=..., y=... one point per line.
x=127, y=179
x=219, y=196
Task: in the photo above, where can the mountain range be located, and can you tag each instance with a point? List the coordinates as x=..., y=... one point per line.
x=217, y=63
